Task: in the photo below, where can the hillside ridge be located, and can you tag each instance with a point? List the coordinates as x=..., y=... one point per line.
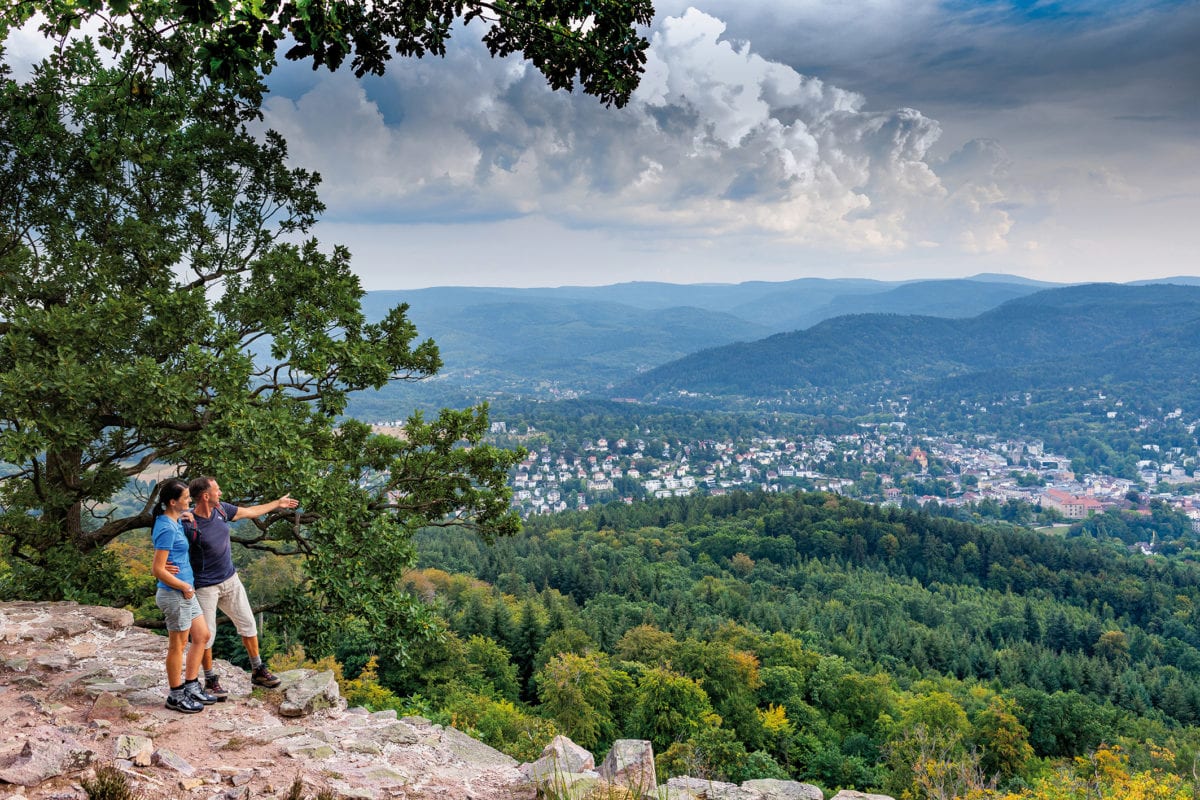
x=1050, y=327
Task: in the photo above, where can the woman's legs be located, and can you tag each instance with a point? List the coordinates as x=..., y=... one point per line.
x=176, y=641
x=184, y=696
x=199, y=637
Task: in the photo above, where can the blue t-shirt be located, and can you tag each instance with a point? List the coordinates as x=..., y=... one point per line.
x=214, y=542
x=168, y=535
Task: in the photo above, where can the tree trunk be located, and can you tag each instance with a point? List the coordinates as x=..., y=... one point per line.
x=64, y=509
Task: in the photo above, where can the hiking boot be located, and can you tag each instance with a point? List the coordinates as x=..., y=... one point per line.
x=213, y=686
x=181, y=701
x=264, y=677
x=193, y=690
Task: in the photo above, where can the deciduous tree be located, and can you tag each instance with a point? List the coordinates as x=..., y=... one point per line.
x=668, y=707
x=580, y=693
x=1002, y=738
x=160, y=311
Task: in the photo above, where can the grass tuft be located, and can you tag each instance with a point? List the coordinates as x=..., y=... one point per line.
x=109, y=784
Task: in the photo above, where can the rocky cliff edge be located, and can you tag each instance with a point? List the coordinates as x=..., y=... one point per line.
x=82, y=689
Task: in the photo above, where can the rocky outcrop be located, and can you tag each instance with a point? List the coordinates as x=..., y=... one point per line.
x=772, y=789
x=562, y=763
x=305, y=691
x=684, y=788
x=562, y=772
x=630, y=764
x=81, y=687
x=42, y=753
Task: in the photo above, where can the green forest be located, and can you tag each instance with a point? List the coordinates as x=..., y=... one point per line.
x=805, y=636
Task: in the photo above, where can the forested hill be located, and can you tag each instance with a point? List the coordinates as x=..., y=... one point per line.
x=856, y=620
x=772, y=306
x=1081, y=333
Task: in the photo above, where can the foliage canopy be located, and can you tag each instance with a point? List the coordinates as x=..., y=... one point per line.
x=592, y=42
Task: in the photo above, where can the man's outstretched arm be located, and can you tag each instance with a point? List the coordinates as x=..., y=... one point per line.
x=247, y=512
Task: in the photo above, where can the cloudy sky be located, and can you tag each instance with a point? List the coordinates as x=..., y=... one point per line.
x=776, y=139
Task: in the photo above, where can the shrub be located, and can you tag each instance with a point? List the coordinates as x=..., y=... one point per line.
x=366, y=691
x=500, y=724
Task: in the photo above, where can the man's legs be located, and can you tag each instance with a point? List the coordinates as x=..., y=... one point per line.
x=236, y=605
x=251, y=643
x=210, y=599
x=259, y=674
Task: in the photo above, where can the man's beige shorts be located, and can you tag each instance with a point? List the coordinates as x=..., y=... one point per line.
x=230, y=597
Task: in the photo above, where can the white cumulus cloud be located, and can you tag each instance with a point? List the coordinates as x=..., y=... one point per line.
x=717, y=140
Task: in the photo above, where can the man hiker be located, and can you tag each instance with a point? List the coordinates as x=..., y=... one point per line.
x=216, y=579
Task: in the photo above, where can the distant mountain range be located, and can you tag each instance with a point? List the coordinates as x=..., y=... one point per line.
x=591, y=337
x=775, y=307
x=522, y=339
x=758, y=339
x=1088, y=334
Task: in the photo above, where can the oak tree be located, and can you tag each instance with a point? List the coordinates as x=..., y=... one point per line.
x=163, y=308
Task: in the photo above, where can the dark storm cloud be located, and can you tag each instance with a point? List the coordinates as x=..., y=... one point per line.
x=872, y=129
x=981, y=54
